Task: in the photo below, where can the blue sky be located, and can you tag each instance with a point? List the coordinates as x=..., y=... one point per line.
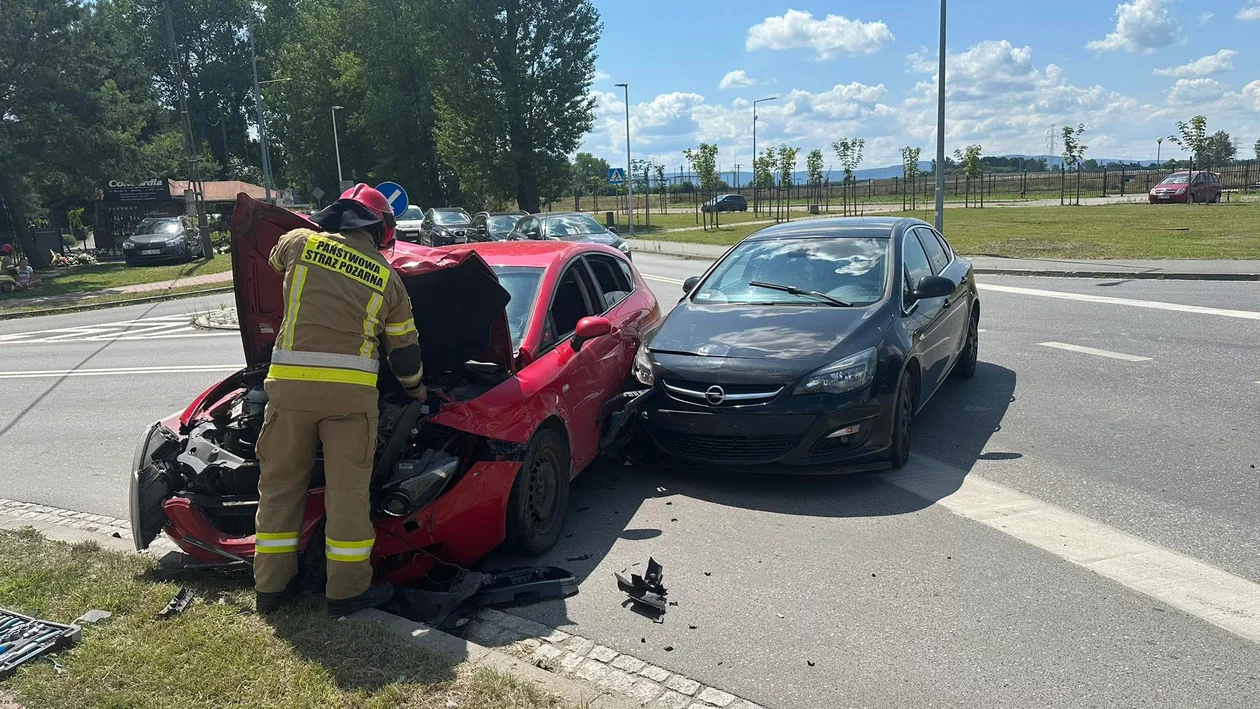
x=1128, y=71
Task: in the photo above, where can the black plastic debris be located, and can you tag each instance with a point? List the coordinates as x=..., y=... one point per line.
x=579, y=557
x=647, y=590
x=526, y=586
x=178, y=604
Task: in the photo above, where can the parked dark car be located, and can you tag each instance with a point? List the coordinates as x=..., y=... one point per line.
x=568, y=226
x=726, y=203
x=494, y=226
x=445, y=226
x=811, y=346
x=1186, y=187
x=159, y=239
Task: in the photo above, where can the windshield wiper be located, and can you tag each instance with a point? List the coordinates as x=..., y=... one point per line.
x=798, y=291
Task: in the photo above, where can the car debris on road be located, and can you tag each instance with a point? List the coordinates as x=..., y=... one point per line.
x=646, y=590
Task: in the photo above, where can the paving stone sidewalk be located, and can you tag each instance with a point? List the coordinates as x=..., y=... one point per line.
x=579, y=658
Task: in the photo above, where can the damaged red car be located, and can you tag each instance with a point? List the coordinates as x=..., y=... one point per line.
x=527, y=350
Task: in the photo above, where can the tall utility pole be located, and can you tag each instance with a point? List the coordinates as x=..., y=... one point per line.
x=194, y=161
x=337, y=146
x=754, y=162
x=1052, y=140
x=1159, y=145
x=262, y=121
x=940, y=130
x=629, y=170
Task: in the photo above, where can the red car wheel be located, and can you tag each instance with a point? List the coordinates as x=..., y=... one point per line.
x=540, y=495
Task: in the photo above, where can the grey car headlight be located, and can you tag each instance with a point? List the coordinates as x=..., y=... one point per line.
x=848, y=374
x=642, y=367
x=624, y=248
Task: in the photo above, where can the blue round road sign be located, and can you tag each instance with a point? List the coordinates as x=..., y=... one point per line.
x=395, y=195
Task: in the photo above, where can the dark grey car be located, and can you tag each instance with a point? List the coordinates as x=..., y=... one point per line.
x=568, y=226
x=162, y=239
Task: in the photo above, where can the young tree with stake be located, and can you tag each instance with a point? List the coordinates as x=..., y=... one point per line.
x=787, y=166
x=970, y=161
x=703, y=160
x=849, y=153
x=1074, y=153
x=814, y=172
x=909, y=171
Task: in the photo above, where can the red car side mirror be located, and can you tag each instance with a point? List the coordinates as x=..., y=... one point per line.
x=589, y=328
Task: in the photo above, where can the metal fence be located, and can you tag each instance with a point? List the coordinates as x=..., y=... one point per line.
x=679, y=192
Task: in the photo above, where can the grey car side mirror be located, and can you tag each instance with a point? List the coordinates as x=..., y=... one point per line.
x=690, y=284
x=933, y=287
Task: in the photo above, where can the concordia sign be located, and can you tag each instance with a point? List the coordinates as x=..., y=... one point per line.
x=155, y=190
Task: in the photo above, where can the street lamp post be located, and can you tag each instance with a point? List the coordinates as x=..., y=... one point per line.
x=940, y=130
x=629, y=170
x=1159, y=145
x=337, y=145
x=262, y=121
x=754, y=162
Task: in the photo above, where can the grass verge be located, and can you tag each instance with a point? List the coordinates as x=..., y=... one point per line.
x=217, y=653
x=1136, y=231
x=83, y=279
x=115, y=299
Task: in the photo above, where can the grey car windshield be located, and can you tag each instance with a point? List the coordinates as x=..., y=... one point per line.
x=850, y=269
x=521, y=282
x=451, y=218
x=501, y=224
x=564, y=225
x=158, y=226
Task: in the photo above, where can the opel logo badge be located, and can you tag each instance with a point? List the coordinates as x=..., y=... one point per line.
x=715, y=395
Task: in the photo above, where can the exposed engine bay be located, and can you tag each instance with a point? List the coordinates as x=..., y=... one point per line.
x=215, y=467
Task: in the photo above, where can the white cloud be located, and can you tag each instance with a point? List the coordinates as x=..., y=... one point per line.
x=1205, y=66
x=737, y=79
x=602, y=75
x=831, y=37
x=1251, y=93
x=1141, y=26
x=1250, y=12
x=1206, y=18
x=1196, y=91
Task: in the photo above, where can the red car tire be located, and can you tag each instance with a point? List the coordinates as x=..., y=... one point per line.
x=540, y=495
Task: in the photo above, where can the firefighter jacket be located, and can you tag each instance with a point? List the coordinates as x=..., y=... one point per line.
x=341, y=302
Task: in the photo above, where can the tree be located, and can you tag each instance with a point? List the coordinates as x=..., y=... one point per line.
x=972, y=168
x=763, y=172
x=70, y=117
x=514, y=97
x=587, y=169
x=849, y=153
x=1193, y=138
x=703, y=161
x=1073, y=154
x=786, y=169
x=814, y=171
x=1256, y=148
x=1219, y=150
x=909, y=171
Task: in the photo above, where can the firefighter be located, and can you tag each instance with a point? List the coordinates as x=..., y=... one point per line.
x=340, y=298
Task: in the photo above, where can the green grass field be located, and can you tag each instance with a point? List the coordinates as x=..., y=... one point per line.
x=217, y=653
x=1137, y=231
x=82, y=279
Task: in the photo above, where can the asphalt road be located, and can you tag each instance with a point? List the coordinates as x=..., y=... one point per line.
x=1140, y=446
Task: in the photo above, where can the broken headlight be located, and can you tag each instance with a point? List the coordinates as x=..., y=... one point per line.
x=642, y=367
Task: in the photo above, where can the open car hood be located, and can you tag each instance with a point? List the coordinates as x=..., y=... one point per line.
x=457, y=301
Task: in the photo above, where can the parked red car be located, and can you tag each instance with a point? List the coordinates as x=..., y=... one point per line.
x=527, y=346
x=1183, y=187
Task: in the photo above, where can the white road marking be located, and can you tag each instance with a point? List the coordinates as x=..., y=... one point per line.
x=662, y=279
x=1093, y=351
x=117, y=371
x=1193, y=586
x=155, y=328
x=1153, y=304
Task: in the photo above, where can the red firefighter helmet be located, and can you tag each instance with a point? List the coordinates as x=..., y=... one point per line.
x=375, y=202
x=8, y=248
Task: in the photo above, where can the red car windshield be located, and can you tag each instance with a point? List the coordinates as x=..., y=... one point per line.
x=521, y=282
x=1176, y=180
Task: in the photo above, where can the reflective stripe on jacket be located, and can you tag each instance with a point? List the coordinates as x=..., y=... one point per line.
x=341, y=302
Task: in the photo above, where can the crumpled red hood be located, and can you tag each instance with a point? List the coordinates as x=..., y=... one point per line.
x=456, y=298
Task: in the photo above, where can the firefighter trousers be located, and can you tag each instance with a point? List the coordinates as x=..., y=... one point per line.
x=287, y=447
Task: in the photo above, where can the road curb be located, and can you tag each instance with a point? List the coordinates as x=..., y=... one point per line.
x=461, y=650
x=708, y=252
x=113, y=304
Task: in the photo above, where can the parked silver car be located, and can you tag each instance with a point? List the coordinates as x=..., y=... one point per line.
x=162, y=239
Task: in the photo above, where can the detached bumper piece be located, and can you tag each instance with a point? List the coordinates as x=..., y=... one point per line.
x=647, y=591
x=24, y=639
x=473, y=590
